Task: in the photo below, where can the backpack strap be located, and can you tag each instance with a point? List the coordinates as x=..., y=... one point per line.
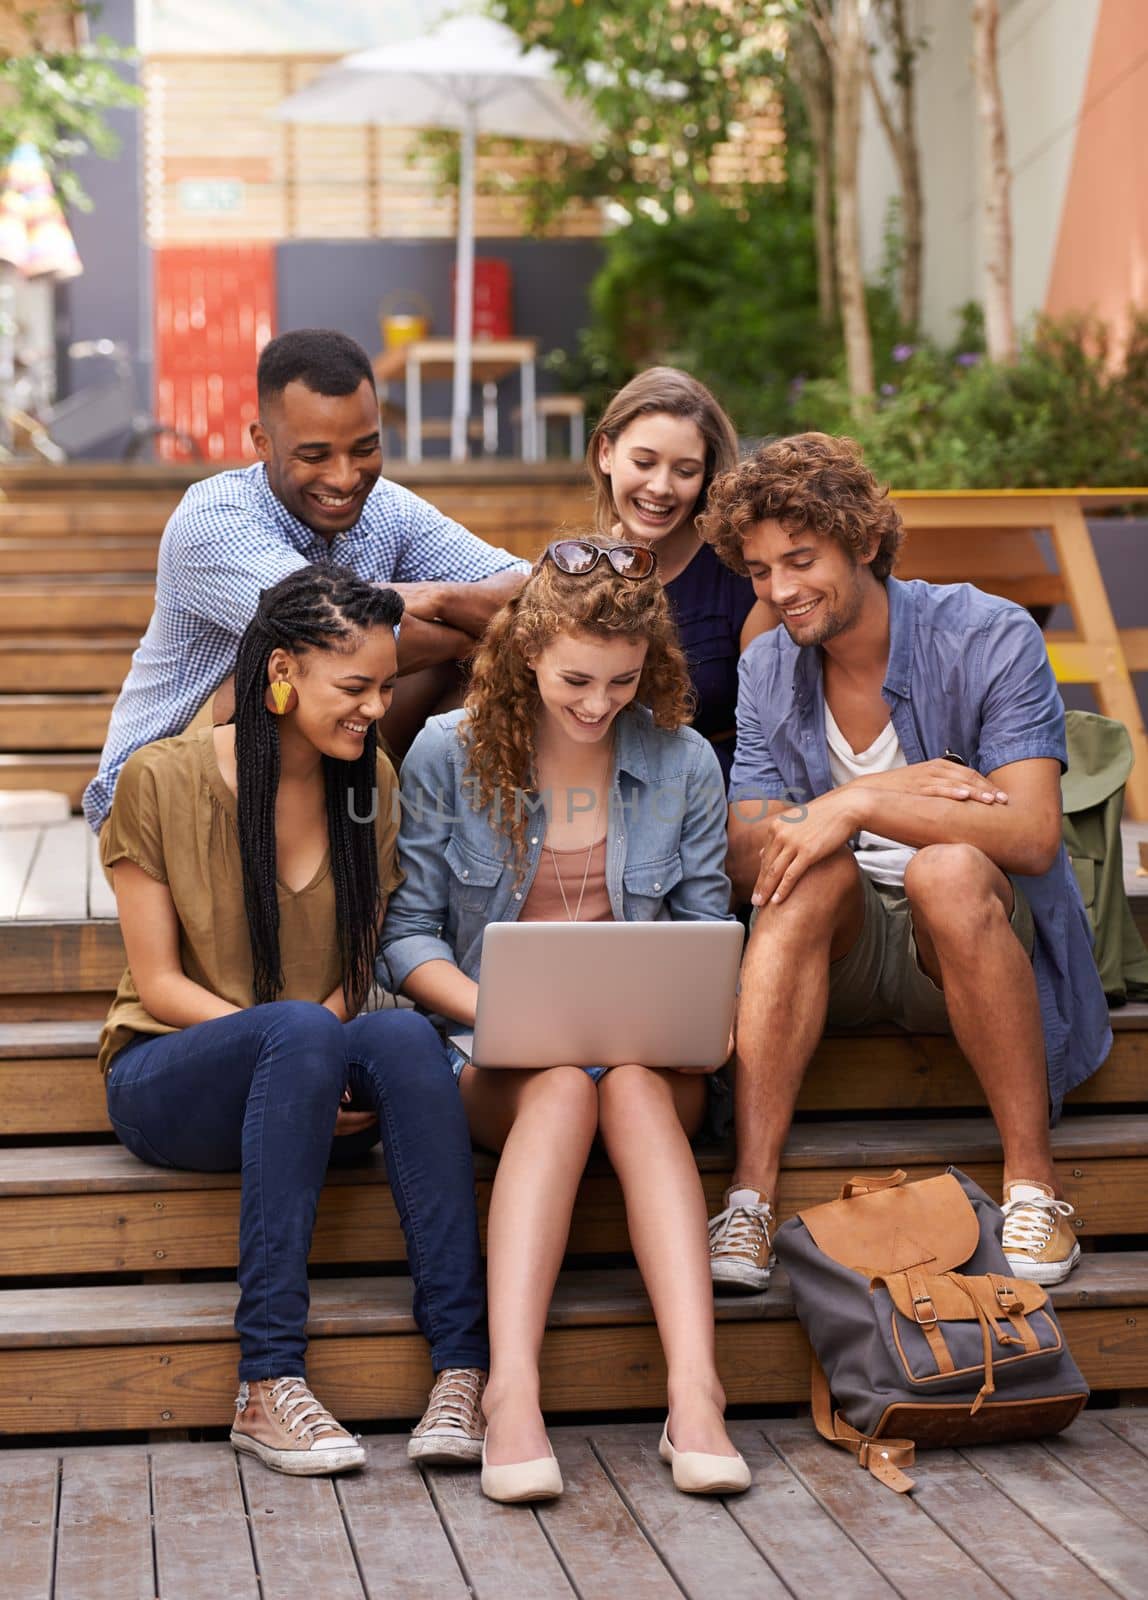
x=884, y=1458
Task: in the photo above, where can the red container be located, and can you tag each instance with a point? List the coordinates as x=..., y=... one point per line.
x=491, y=318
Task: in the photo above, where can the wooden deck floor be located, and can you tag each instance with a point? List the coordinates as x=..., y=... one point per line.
x=189, y=1522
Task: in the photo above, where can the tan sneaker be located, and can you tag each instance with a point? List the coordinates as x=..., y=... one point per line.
x=452, y=1425
x=740, y=1254
x=280, y=1421
x=1039, y=1244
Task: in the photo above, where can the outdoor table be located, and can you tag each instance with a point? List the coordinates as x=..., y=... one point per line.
x=491, y=361
x=988, y=537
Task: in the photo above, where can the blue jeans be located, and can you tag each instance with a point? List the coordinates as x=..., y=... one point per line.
x=258, y=1092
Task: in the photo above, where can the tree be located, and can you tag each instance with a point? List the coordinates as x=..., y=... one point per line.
x=667, y=81
x=55, y=92
x=1000, y=326
x=813, y=75
x=841, y=33
x=900, y=124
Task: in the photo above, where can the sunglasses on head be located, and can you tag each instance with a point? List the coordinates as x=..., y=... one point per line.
x=577, y=556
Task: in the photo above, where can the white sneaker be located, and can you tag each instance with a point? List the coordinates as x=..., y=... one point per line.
x=740, y=1254
x=1039, y=1244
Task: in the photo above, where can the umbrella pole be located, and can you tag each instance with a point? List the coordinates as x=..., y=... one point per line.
x=463, y=290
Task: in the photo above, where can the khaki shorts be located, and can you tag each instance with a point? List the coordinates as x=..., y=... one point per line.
x=882, y=980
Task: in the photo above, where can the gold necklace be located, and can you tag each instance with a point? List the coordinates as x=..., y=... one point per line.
x=585, y=870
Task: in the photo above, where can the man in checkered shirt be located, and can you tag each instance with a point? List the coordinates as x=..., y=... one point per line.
x=315, y=496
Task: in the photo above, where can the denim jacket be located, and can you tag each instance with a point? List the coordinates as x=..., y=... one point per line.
x=665, y=850
x=967, y=672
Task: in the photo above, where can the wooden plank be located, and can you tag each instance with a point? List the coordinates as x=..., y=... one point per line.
x=896, y=1535
x=300, y=1542
x=55, y=721
x=95, y=1209
x=1024, y=1555
x=48, y=1041
x=608, y=1298
x=400, y=1545
x=1109, y=1464
x=809, y=1552
x=1100, y=1536
x=28, y=1525
x=696, y=1536
x=23, y=557
x=104, y=1549
x=70, y=774
x=57, y=884
x=906, y=1072
x=202, y=1543
x=600, y=1545
x=501, y=1549
x=1092, y=614
x=43, y=958
x=18, y=848
x=98, y=606
x=47, y=1095
x=61, y=664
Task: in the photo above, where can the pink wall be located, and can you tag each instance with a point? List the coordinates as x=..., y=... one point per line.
x=1101, y=259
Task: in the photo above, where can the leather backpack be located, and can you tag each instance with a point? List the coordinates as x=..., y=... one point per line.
x=919, y=1333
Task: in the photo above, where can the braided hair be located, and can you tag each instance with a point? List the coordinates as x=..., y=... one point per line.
x=314, y=608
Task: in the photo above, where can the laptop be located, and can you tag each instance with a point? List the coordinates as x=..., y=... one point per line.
x=600, y=994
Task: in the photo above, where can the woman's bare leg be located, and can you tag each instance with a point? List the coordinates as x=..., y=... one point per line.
x=644, y=1117
x=544, y=1123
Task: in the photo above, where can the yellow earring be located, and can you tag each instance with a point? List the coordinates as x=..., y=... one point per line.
x=281, y=697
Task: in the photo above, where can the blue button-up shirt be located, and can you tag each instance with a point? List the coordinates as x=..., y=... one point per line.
x=967, y=672
x=665, y=851
x=230, y=537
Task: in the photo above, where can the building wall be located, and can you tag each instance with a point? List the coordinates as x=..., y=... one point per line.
x=1046, y=47
x=112, y=298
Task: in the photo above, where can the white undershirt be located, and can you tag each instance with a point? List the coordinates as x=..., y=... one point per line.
x=883, y=859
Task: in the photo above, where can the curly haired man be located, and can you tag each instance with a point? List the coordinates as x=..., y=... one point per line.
x=895, y=820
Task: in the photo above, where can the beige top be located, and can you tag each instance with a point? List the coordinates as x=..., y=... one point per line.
x=544, y=901
x=174, y=816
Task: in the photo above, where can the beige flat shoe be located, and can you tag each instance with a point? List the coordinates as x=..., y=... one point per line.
x=521, y=1481
x=697, y=1473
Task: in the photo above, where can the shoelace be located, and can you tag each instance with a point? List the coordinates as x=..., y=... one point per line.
x=301, y=1412
x=1029, y=1223
x=454, y=1400
x=738, y=1229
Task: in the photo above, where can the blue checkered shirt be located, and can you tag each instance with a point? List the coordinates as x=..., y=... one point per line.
x=230, y=537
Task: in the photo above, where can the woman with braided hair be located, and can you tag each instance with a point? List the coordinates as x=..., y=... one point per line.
x=251, y=865
x=578, y=703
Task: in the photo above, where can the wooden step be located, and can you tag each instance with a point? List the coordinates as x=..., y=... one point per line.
x=21, y=557
x=49, y=1085
x=164, y=1356
x=54, y=722
x=96, y=1209
x=98, y=605
x=85, y=518
x=64, y=663
x=70, y=774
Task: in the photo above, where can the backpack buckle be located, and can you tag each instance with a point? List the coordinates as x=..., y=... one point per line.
x=927, y=1319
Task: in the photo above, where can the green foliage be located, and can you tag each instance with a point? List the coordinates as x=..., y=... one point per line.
x=666, y=79
x=58, y=100
x=1064, y=414
x=729, y=295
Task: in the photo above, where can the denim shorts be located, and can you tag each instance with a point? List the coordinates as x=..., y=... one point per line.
x=458, y=1061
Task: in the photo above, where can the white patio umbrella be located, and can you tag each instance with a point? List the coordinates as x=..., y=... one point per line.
x=471, y=74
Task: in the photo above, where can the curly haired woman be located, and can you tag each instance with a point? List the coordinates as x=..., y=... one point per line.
x=579, y=688
x=251, y=864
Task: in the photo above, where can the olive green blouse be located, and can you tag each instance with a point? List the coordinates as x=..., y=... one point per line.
x=174, y=816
